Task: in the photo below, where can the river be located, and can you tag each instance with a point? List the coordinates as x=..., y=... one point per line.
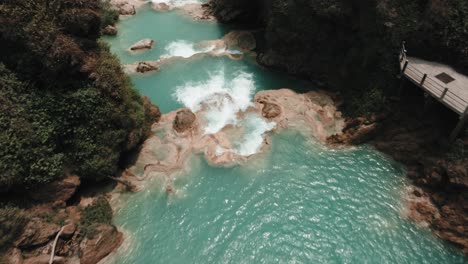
x=299, y=202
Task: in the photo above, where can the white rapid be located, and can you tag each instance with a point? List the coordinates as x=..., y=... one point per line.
x=176, y=3
x=185, y=49
x=220, y=102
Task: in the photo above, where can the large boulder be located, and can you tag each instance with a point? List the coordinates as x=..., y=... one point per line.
x=61, y=190
x=107, y=239
x=243, y=40
x=123, y=7
x=143, y=44
x=110, y=30
x=184, y=120
x=37, y=232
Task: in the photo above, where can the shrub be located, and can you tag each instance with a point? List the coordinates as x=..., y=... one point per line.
x=100, y=212
x=12, y=221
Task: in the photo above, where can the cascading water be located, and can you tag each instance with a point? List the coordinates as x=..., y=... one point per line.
x=298, y=202
x=185, y=49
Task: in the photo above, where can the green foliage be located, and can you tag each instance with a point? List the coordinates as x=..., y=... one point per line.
x=28, y=149
x=109, y=15
x=12, y=221
x=369, y=101
x=100, y=212
x=65, y=103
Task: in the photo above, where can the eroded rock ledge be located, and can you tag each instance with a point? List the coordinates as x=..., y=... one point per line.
x=181, y=133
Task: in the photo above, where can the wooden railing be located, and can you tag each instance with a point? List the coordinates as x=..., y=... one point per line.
x=435, y=88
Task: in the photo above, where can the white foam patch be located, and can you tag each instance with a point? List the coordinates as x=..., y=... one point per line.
x=185, y=49
x=255, y=128
x=176, y=3
x=220, y=99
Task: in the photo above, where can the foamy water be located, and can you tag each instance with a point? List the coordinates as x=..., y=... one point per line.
x=255, y=130
x=176, y=3
x=185, y=49
x=219, y=98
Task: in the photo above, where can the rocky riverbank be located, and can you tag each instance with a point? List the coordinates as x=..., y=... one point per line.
x=64, y=225
x=416, y=136
x=352, y=46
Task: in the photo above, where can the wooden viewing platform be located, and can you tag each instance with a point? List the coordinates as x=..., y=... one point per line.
x=441, y=82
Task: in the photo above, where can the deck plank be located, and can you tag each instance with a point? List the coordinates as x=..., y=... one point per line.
x=456, y=97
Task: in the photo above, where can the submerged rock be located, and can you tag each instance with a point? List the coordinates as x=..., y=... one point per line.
x=184, y=120
x=143, y=67
x=143, y=44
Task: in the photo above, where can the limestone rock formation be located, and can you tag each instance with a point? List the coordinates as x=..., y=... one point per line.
x=92, y=250
x=271, y=110
x=143, y=44
x=184, y=120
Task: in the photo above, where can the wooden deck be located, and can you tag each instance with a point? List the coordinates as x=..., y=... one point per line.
x=440, y=81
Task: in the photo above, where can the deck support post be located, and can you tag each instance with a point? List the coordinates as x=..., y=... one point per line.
x=459, y=127
x=423, y=79
x=444, y=93
x=404, y=66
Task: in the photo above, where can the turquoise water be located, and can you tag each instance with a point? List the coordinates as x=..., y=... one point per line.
x=300, y=202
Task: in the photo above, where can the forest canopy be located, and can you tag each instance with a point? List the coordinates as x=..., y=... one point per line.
x=66, y=107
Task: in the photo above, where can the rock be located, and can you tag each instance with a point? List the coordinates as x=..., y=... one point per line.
x=146, y=67
x=184, y=120
x=12, y=256
x=44, y=259
x=242, y=40
x=142, y=45
x=110, y=30
x=161, y=7
x=36, y=233
x=107, y=239
x=127, y=10
x=271, y=110
x=458, y=172
x=61, y=190
x=155, y=113
x=68, y=230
